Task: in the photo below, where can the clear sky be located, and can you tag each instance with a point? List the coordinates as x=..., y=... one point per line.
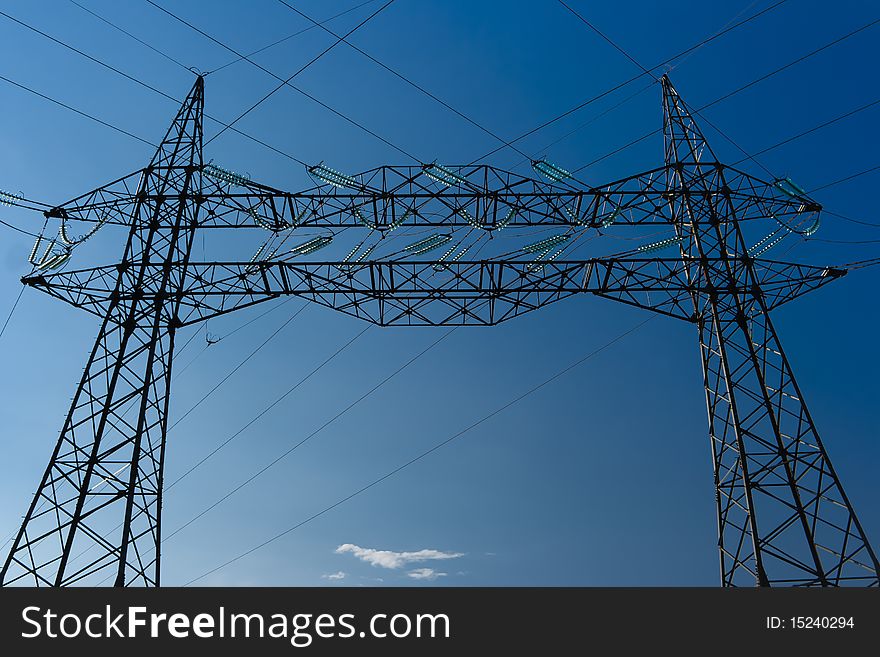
x=602, y=477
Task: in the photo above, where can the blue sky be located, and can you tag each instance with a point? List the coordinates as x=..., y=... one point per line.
x=602, y=477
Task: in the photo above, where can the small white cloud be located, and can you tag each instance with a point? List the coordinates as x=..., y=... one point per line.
x=392, y=559
x=425, y=573
x=336, y=575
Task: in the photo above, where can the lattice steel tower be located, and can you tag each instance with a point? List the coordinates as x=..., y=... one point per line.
x=783, y=518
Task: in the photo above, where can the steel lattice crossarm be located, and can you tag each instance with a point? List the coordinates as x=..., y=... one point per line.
x=411, y=293
x=435, y=245
x=478, y=196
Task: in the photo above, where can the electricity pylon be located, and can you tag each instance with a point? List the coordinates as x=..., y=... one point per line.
x=783, y=517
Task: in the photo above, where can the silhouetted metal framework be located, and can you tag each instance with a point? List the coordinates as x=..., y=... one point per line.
x=783, y=518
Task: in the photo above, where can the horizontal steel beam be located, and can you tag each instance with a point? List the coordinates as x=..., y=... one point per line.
x=431, y=293
x=481, y=196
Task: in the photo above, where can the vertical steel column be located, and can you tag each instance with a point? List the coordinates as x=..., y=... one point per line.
x=783, y=518
x=105, y=475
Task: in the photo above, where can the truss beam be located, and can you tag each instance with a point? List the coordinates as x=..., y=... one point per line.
x=97, y=510
x=783, y=517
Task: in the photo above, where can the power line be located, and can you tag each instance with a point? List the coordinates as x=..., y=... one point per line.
x=753, y=156
x=345, y=410
x=815, y=128
x=263, y=412
x=172, y=59
x=822, y=239
x=647, y=135
x=307, y=438
x=642, y=138
x=846, y=179
x=141, y=83
x=214, y=389
x=861, y=264
x=177, y=354
x=669, y=60
x=590, y=121
x=42, y=502
x=89, y=57
x=12, y=311
x=851, y=220
x=237, y=367
x=287, y=155
x=16, y=228
x=291, y=157
x=300, y=443
x=608, y=39
x=2, y=331
x=730, y=26
x=77, y=111
x=843, y=180
x=248, y=424
x=721, y=29
x=405, y=79
x=605, y=37
x=793, y=63
x=749, y=156
x=505, y=143
x=644, y=70
x=292, y=86
x=129, y=34
x=290, y=36
x=459, y=113
x=731, y=140
x=272, y=308
x=239, y=58
x=287, y=81
x=427, y=452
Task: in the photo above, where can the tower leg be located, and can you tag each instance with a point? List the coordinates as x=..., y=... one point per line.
x=104, y=476
x=770, y=465
x=97, y=511
x=783, y=518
